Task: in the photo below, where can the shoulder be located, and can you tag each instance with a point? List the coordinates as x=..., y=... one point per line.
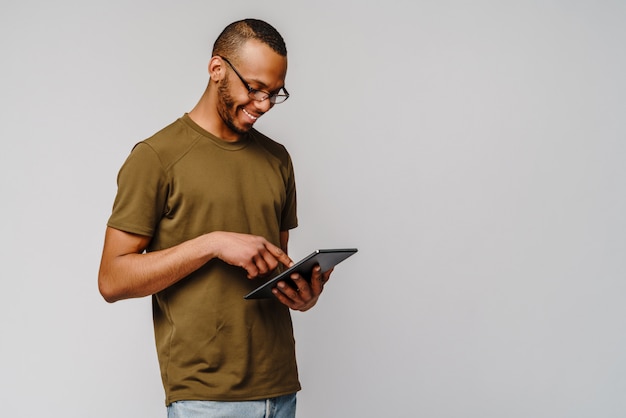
x=276, y=149
x=169, y=144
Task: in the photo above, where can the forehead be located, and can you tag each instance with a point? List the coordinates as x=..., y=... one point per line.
x=259, y=63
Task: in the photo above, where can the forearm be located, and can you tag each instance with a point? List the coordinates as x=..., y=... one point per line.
x=136, y=274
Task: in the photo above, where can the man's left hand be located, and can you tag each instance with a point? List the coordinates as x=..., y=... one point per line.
x=305, y=295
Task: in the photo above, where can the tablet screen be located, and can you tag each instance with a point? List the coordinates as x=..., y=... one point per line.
x=326, y=259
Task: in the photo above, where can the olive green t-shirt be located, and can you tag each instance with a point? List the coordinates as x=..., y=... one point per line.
x=184, y=182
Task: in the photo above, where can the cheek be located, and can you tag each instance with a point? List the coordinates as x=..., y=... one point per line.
x=224, y=95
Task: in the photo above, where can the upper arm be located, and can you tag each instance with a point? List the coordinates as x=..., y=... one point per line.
x=116, y=244
x=284, y=240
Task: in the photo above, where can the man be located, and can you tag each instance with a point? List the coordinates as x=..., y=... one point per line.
x=204, y=207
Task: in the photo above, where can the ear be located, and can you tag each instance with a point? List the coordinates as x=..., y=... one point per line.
x=216, y=68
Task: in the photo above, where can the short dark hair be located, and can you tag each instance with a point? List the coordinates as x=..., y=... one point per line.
x=232, y=38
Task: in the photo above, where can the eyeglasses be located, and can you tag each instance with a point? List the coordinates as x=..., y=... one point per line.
x=260, y=95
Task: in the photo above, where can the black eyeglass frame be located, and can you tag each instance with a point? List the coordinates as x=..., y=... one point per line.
x=256, y=94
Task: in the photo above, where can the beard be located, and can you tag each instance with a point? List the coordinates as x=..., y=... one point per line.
x=226, y=107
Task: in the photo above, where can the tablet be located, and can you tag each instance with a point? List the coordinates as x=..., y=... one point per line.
x=327, y=259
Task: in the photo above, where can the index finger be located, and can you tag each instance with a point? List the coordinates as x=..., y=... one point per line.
x=280, y=255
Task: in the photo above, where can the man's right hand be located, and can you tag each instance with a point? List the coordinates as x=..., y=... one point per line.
x=253, y=253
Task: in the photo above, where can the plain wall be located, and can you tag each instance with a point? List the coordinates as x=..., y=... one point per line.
x=474, y=152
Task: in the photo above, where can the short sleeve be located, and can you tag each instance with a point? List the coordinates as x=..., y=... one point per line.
x=142, y=189
x=289, y=218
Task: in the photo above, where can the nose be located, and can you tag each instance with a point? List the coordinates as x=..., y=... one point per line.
x=263, y=106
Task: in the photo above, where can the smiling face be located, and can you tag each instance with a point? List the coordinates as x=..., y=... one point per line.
x=263, y=69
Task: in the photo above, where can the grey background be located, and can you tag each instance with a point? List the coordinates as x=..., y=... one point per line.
x=474, y=151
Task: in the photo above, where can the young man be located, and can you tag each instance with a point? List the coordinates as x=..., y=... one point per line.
x=203, y=208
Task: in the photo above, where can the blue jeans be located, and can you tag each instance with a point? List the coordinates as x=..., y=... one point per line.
x=280, y=407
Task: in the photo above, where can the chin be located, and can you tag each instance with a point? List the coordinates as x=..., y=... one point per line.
x=238, y=129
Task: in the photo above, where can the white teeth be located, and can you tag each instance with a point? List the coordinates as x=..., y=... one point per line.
x=249, y=115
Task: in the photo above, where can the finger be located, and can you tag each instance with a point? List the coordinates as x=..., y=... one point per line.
x=294, y=301
x=282, y=298
x=287, y=294
x=262, y=265
x=316, y=284
x=279, y=254
x=269, y=260
x=304, y=288
x=251, y=269
x=326, y=276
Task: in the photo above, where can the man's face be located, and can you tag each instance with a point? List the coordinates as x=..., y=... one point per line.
x=263, y=69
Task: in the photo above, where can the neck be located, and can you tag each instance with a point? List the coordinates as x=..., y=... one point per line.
x=207, y=117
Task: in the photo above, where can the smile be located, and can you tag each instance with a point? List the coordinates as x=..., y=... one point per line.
x=249, y=115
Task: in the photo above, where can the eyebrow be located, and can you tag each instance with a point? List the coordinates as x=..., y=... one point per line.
x=258, y=83
x=262, y=85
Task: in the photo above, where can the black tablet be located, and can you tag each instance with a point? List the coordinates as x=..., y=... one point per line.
x=326, y=259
